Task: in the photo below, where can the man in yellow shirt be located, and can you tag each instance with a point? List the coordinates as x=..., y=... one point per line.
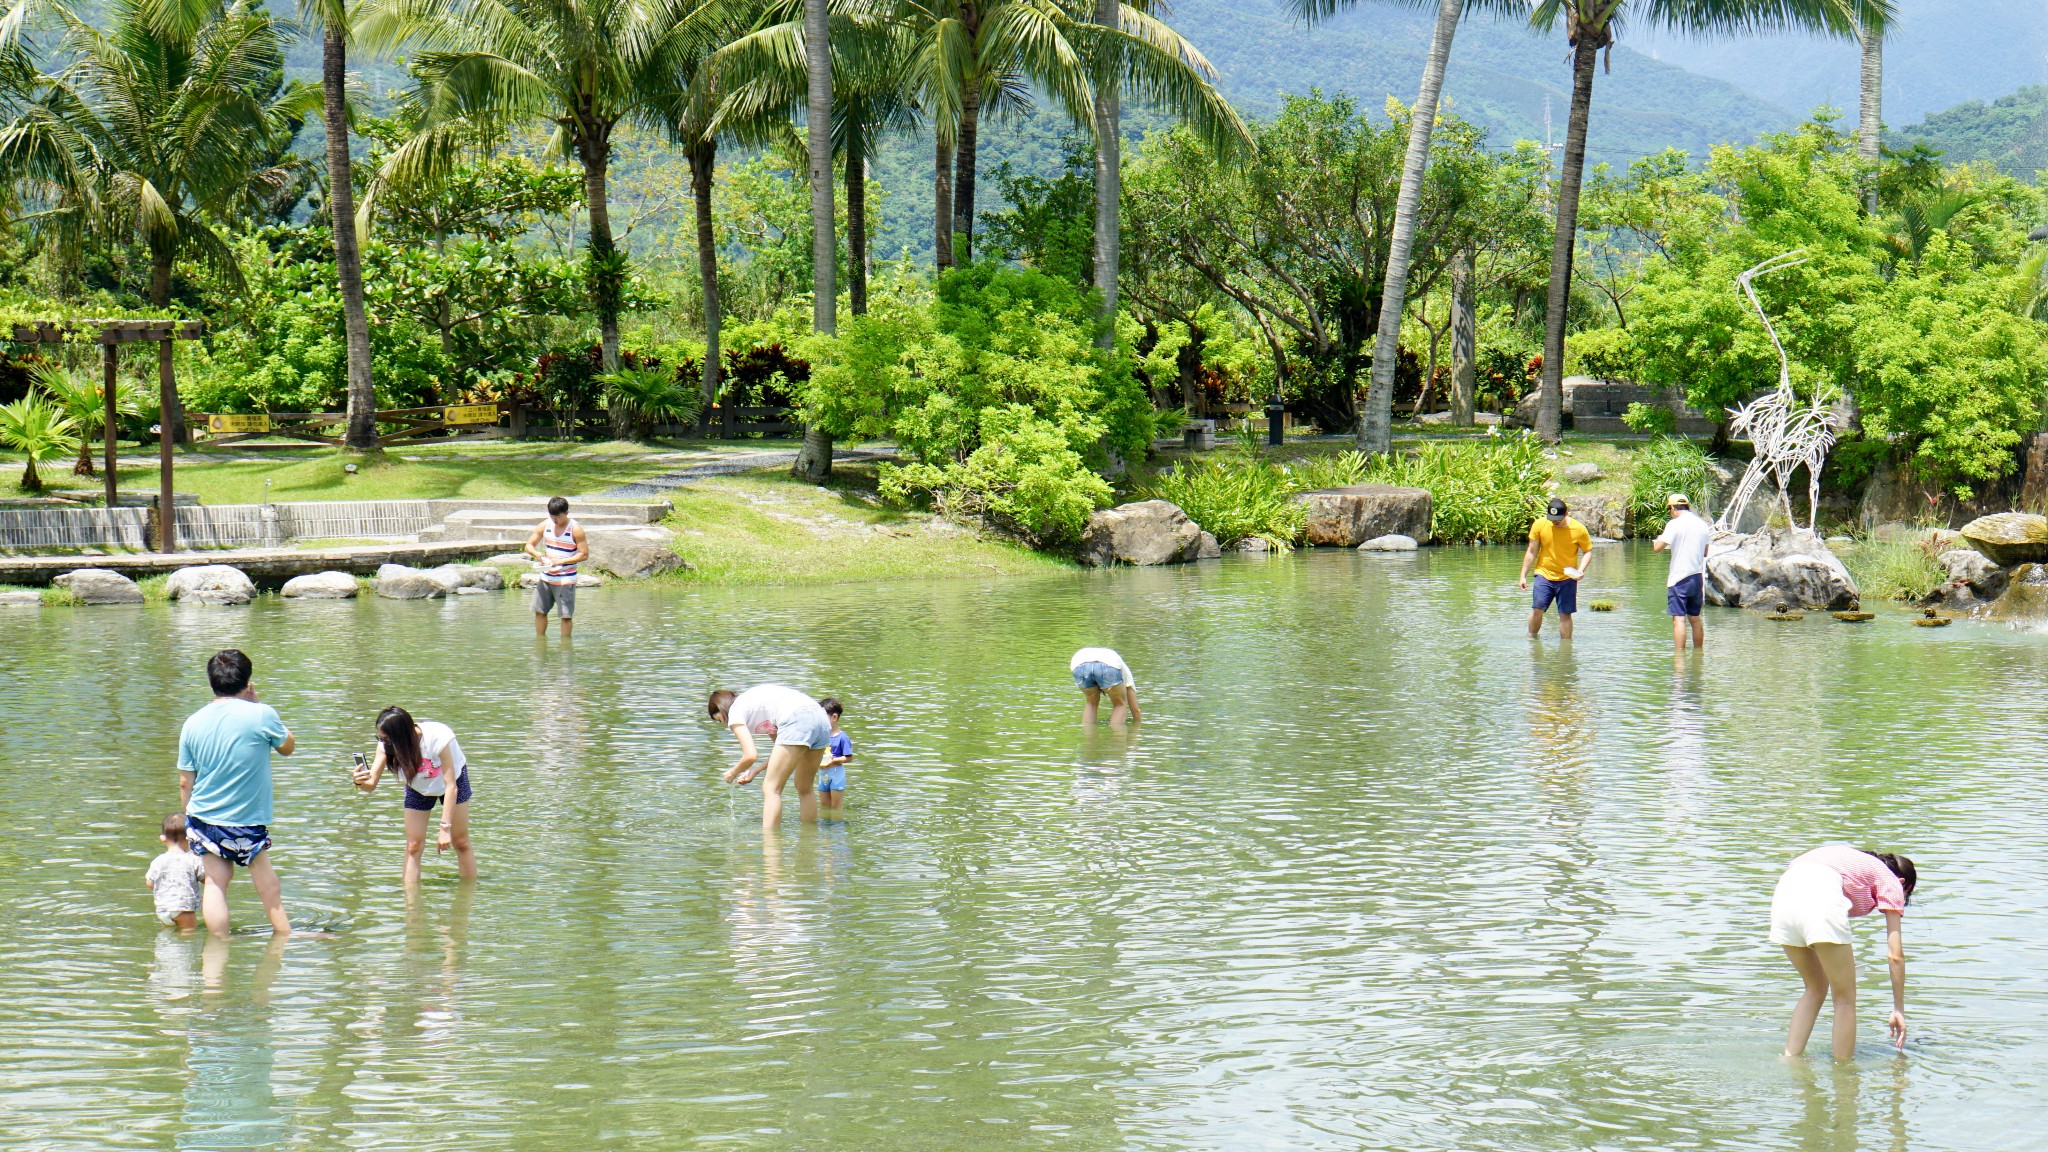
x=1559, y=547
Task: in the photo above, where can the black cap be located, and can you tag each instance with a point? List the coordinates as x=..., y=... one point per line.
x=1557, y=509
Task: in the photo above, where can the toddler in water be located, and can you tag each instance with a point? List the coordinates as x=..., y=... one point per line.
x=175, y=877
x=832, y=773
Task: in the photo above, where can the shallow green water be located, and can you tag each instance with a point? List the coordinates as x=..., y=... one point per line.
x=1375, y=872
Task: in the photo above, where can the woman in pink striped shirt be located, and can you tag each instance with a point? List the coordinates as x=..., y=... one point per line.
x=1810, y=913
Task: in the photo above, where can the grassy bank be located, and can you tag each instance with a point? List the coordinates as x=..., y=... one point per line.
x=477, y=470
x=768, y=528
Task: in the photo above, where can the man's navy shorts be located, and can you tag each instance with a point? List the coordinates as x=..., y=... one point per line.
x=1563, y=593
x=1686, y=597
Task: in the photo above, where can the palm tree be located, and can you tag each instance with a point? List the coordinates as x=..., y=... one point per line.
x=37, y=430
x=82, y=399
x=156, y=127
x=1590, y=26
x=1131, y=49
x=586, y=65
x=1869, y=114
x=1375, y=431
x=332, y=18
x=814, y=461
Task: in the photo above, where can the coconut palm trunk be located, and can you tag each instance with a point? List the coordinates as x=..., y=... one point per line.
x=942, y=206
x=856, y=219
x=703, y=156
x=1376, y=422
x=1869, y=116
x=1464, y=340
x=963, y=170
x=348, y=261
x=1108, y=175
x=814, y=460
x=1550, y=388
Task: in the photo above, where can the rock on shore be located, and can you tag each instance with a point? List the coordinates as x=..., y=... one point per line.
x=321, y=586
x=210, y=584
x=1777, y=566
x=99, y=586
x=399, y=582
x=2009, y=538
x=1144, y=533
x=1347, y=517
x=633, y=553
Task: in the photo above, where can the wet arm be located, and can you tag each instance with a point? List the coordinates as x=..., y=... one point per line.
x=1895, y=955
x=533, y=544
x=1528, y=560
x=748, y=756
x=582, y=546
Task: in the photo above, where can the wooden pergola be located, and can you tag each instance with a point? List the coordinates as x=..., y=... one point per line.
x=110, y=335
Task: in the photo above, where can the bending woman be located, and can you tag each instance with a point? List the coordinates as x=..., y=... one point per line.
x=426, y=757
x=1100, y=670
x=801, y=732
x=1810, y=913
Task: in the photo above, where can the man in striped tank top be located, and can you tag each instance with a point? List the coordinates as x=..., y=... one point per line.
x=559, y=544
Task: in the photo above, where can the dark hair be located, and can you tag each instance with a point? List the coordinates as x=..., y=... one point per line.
x=1901, y=866
x=720, y=701
x=831, y=706
x=174, y=826
x=557, y=506
x=401, y=739
x=228, y=672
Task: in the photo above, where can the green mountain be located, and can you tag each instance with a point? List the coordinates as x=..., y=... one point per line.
x=2011, y=132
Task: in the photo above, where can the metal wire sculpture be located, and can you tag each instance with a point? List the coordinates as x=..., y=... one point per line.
x=1784, y=433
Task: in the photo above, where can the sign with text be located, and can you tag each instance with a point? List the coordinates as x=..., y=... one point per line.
x=259, y=422
x=470, y=414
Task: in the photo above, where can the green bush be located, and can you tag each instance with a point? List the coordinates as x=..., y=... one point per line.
x=1653, y=418
x=1486, y=492
x=1604, y=354
x=1665, y=465
x=1898, y=570
x=1332, y=471
x=1242, y=496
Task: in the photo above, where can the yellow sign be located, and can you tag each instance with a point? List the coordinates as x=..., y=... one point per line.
x=470, y=414
x=259, y=422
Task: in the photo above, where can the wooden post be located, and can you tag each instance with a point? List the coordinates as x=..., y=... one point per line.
x=110, y=356
x=166, y=494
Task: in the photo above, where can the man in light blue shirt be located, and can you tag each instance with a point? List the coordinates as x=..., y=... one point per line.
x=224, y=775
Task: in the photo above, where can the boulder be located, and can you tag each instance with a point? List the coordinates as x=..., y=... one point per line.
x=398, y=582
x=2009, y=538
x=1603, y=516
x=633, y=553
x=99, y=586
x=1393, y=542
x=2025, y=600
x=1208, y=549
x=1147, y=532
x=1973, y=580
x=508, y=560
x=21, y=598
x=1777, y=566
x=1582, y=473
x=1347, y=517
x=1255, y=545
x=481, y=577
x=210, y=584
x=321, y=586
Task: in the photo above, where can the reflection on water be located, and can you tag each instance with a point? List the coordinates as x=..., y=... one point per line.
x=1375, y=871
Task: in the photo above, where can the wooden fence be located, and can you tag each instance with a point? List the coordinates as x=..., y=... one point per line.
x=474, y=421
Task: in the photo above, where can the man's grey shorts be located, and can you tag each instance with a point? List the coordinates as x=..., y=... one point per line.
x=560, y=597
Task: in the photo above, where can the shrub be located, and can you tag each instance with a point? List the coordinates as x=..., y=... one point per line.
x=1485, y=492
x=1604, y=354
x=1653, y=418
x=1897, y=570
x=1242, y=496
x=1665, y=465
x=1332, y=471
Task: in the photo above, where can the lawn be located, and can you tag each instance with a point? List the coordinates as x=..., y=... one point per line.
x=769, y=528
x=490, y=469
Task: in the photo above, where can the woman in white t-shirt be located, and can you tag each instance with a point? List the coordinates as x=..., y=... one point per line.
x=426, y=757
x=801, y=732
x=1099, y=670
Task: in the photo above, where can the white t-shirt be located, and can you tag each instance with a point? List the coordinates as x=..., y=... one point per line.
x=441, y=759
x=1103, y=656
x=174, y=878
x=1687, y=536
x=765, y=708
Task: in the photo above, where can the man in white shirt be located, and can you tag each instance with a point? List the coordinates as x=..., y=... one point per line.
x=1686, y=537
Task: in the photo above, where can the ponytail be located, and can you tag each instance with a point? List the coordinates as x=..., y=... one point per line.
x=1902, y=867
x=401, y=740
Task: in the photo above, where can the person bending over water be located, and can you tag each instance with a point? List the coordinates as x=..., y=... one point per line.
x=801, y=731
x=224, y=773
x=1810, y=913
x=426, y=756
x=1099, y=670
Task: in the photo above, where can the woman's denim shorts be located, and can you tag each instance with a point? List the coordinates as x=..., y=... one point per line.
x=809, y=728
x=1096, y=674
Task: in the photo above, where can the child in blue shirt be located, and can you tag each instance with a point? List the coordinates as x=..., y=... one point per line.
x=832, y=773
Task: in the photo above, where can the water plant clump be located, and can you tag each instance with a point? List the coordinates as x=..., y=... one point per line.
x=1667, y=464
x=1898, y=569
x=1484, y=492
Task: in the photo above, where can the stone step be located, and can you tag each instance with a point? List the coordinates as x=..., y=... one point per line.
x=531, y=510
x=514, y=526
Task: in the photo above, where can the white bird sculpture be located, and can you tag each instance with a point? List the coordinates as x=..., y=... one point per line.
x=1784, y=437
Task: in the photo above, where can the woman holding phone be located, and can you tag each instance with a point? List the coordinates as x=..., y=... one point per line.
x=427, y=757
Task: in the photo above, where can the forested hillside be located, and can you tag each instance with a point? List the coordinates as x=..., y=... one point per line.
x=2011, y=132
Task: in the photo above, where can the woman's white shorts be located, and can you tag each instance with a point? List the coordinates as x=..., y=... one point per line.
x=1809, y=907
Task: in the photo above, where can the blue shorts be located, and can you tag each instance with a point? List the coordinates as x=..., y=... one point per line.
x=234, y=843
x=1563, y=593
x=810, y=728
x=414, y=802
x=1096, y=674
x=1686, y=597
x=832, y=779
